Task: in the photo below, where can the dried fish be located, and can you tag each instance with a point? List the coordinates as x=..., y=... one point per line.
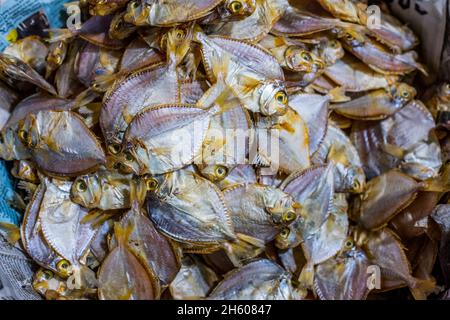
x=337, y=148
x=258, y=280
x=193, y=281
x=378, y=104
x=103, y=190
x=61, y=143
x=12, y=68
x=227, y=149
x=189, y=209
x=122, y=276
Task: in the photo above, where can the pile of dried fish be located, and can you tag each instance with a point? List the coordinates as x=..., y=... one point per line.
x=228, y=149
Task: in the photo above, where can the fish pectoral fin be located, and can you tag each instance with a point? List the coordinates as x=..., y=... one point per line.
x=393, y=150
x=251, y=240
x=338, y=95
x=127, y=296
x=306, y=278
x=420, y=289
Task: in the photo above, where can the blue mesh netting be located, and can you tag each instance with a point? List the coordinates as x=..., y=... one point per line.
x=7, y=214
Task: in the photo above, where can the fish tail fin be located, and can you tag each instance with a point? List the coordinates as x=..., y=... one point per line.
x=306, y=277
x=394, y=150
x=422, y=288
x=422, y=68
x=92, y=214
x=338, y=95
x=391, y=79
x=122, y=233
x=56, y=35
x=85, y=97
x=229, y=250
x=251, y=240
x=138, y=192
x=219, y=93
x=28, y=187
x=12, y=232
x=178, y=48
x=103, y=82
x=96, y=217
x=17, y=201
x=410, y=58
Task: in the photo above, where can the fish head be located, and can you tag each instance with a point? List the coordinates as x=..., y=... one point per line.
x=127, y=162
x=64, y=268
x=403, y=93
x=349, y=245
x=56, y=56
x=273, y=98
x=28, y=131
x=119, y=28
x=25, y=170
x=444, y=92
x=137, y=13
x=114, y=147
x=236, y=9
x=288, y=237
x=281, y=206
x=352, y=37
x=355, y=179
x=10, y=145
x=214, y=173
x=332, y=51
x=86, y=191
x=45, y=281
x=152, y=183
x=299, y=59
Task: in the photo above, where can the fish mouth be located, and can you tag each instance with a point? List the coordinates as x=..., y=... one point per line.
x=301, y=67
x=126, y=169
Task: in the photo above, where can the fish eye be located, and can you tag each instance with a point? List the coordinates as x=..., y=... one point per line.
x=129, y=156
x=285, y=233
x=289, y=216
x=114, y=148
x=81, y=186
x=349, y=37
x=134, y=4
x=356, y=185
x=405, y=94
x=281, y=97
x=47, y=274
x=151, y=183
x=62, y=266
x=221, y=171
x=236, y=7
x=349, y=244
x=306, y=56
